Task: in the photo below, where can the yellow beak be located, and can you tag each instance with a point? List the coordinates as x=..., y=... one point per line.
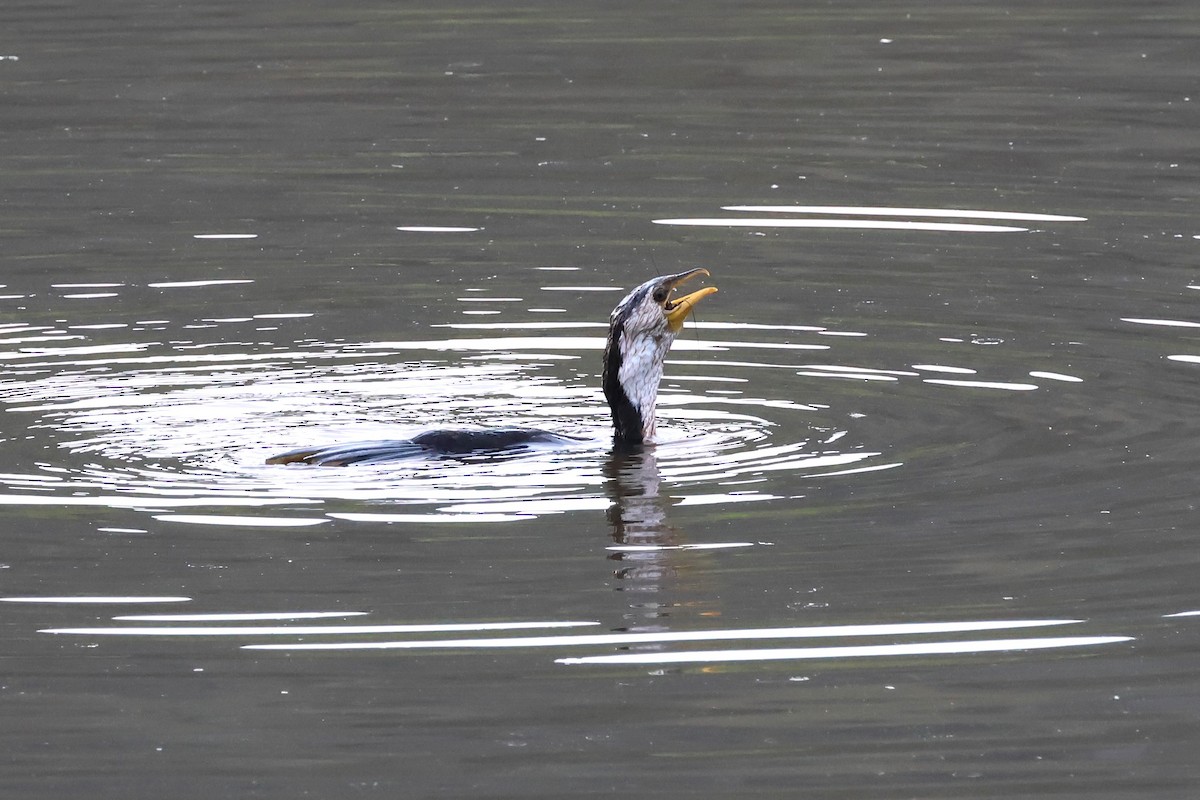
x=678, y=308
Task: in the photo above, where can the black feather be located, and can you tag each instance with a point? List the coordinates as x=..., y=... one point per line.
x=627, y=420
x=446, y=442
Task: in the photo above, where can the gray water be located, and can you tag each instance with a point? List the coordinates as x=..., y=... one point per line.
x=921, y=522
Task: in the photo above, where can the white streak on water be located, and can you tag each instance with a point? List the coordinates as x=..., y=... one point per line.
x=582, y=289
x=1011, y=387
x=942, y=368
x=845, y=375
x=1171, y=323
x=435, y=229
x=719, y=499
x=857, y=370
x=238, y=617
x=535, y=326
x=1056, y=376
x=452, y=518
x=857, y=470
x=862, y=651
x=147, y=501
x=530, y=506
x=309, y=630
x=888, y=211
x=248, y=522
x=734, y=634
x=85, y=285
x=757, y=222
x=655, y=548
x=93, y=600
x=190, y=284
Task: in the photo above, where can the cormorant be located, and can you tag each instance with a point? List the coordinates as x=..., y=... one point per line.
x=641, y=330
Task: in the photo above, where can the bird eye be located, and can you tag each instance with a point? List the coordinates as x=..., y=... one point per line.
x=660, y=295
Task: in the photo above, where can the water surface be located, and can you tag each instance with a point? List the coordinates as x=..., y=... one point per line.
x=919, y=521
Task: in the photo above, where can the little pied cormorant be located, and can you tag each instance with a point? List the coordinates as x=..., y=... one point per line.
x=640, y=332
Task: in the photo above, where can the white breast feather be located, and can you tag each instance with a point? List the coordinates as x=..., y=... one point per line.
x=641, y=370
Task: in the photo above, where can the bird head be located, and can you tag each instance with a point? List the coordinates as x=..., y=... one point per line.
x=641, y=330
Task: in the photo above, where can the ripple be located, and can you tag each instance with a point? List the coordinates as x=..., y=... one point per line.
x=198, y=284
x=944, y=368
x=626, y=639
x=658, y=548
x=1055, y=376
x=239, y=616
x=440, y=516
x=97, y=600
x=833, y=217
x=853, y=651
x=349, y=634
x=166, y=428
x=156, y=421
x=1169, y=323
x=435, y=229
x=888, y=211
x=1003, y=385
x=240, y=521
x=309, y=630
x=886, y=225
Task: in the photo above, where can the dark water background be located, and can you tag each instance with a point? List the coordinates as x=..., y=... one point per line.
x=990, y=434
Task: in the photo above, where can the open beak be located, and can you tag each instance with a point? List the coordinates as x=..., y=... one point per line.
x=677, y=308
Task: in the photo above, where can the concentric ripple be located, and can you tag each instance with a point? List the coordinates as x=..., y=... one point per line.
x=180, y=429
x=176, y=419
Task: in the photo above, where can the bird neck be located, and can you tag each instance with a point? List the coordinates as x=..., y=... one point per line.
x=633, y=367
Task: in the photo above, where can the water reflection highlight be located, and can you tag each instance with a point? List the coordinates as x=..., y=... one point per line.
x=859, y=651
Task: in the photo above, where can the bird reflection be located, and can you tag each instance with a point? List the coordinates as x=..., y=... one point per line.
x=638, y=516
